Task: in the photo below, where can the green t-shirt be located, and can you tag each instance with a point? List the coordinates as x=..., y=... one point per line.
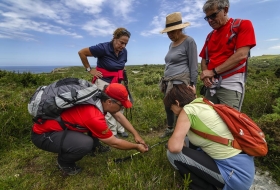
x=204, y=118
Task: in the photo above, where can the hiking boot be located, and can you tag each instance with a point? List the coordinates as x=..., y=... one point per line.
x=167, y=132
x=69, y=170
x=101, y=148
x=124, y=134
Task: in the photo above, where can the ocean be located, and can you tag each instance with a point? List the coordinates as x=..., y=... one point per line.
x=31, y=69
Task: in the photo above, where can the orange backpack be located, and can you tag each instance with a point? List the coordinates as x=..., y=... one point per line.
x=248, y=137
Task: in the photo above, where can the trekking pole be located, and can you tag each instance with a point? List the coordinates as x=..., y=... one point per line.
x=119, y=160
x=129, y=94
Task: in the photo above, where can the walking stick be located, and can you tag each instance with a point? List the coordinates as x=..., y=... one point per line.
x=119, y=160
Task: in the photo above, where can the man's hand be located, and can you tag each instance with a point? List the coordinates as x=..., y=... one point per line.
x=206, y=74
x=141, y=148
x=139, y=140
x=208, y=81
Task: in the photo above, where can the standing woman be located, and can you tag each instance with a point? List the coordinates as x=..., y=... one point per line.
x=180, y=61
x=111, y=58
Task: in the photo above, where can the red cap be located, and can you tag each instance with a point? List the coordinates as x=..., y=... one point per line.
x=118, y=92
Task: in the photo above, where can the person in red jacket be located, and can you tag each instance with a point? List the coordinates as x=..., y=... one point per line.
x=224, y=57
x=76, y=144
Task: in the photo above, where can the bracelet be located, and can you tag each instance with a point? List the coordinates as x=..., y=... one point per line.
x=88, y=69
x=214, y=71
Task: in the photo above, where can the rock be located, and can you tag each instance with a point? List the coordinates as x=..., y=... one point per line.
x=263, y=181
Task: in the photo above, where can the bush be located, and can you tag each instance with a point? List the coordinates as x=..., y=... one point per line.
x=270, y=126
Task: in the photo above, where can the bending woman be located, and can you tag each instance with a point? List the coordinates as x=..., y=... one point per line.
x=211, y=165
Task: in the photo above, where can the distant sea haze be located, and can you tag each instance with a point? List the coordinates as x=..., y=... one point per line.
x=31, y=69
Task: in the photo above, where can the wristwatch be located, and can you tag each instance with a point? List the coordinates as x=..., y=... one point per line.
x=215, y=72
x=88, y=69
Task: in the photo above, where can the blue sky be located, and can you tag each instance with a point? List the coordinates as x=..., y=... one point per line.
x=51, y=32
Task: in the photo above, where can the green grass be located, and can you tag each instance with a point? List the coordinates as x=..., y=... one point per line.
x=267, y=57
x=24, y=166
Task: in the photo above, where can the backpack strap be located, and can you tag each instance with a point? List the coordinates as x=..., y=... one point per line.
x=235, y=24
x=230, y=71
x=64, y=127
x=217, y=139
x=206, y=48
x=79, y=127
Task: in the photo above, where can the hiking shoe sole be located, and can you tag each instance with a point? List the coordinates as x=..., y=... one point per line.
x=124, y=134
x=70, y=170
x=168, y=132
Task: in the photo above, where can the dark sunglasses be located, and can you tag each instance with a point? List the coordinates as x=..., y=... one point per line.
x=126, y=32
x=212, y=16
x=121, y=106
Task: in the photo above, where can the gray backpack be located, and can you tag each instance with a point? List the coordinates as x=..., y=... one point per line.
x=49, y=101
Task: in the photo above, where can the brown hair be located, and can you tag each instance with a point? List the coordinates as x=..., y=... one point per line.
x=181, y=93
x=119, y=32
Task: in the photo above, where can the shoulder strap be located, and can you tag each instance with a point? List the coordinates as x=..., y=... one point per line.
x=231, y=71
x=217, y=139
x=206, y=48
x=235, y=24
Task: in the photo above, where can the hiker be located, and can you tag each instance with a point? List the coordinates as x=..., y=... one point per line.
x=180, y=61
x=225, y=57
x=77, y=144
x=211, y=165
x=111, y=59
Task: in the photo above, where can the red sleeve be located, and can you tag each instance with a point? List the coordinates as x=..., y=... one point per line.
x=246, y=35
x=96, y=123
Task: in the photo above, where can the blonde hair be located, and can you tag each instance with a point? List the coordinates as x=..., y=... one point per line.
x=119, y=32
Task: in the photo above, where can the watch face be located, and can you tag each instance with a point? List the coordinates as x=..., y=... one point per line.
x=88, y=69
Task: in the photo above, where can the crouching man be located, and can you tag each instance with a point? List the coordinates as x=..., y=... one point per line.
x=75, y=143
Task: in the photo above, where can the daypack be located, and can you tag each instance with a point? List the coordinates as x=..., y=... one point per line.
x=49, y=101
x=248, y=137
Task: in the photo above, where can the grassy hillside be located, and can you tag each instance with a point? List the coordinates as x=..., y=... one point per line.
x=266, y=57
x=23, y=166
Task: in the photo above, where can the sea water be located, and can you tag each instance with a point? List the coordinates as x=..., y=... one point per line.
x=31, y=69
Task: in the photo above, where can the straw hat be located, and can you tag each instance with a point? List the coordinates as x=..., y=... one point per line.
x=174, y=22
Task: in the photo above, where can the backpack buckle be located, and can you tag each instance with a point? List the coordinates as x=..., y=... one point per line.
x=230, y=142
